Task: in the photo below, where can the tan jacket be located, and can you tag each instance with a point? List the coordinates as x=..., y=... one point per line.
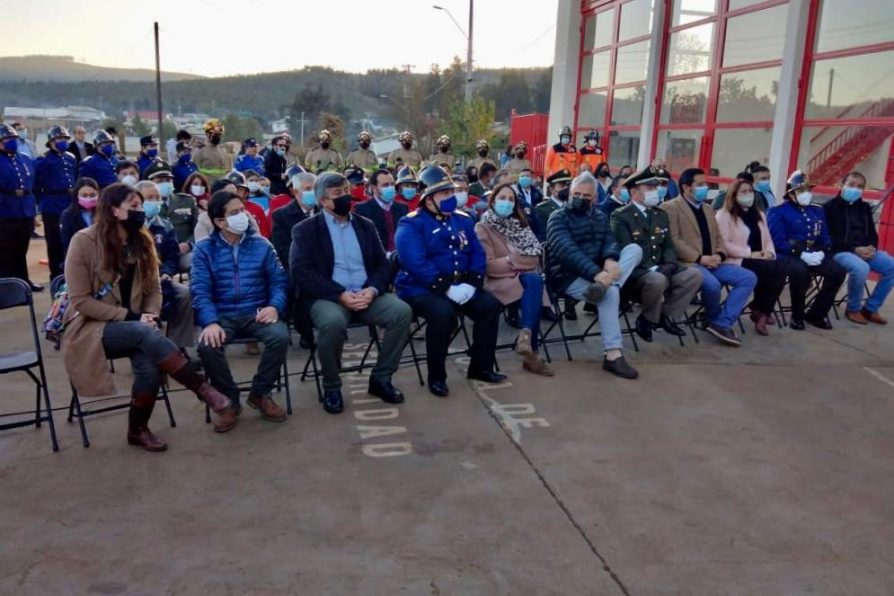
x=86, y=317
x=685, y=233
x=516, y=165
x=735, y=234
x=502, y=272
x=439, y=158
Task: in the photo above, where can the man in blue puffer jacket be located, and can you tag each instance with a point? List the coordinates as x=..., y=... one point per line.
x=239, y=290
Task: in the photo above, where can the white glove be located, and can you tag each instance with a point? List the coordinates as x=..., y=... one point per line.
x=819, y=256
x=468, y=291
x=456, y=293
x=807, y=258
x=813, y=258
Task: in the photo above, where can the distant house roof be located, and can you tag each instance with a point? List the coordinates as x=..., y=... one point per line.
x=80, y=113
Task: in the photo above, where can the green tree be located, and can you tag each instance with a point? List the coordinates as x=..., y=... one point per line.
x=139, y=127
x=468, y=122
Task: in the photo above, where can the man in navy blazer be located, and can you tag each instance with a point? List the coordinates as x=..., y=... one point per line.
x=342, y=274
x=382, y=210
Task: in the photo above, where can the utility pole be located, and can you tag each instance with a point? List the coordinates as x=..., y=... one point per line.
x=469, y=54
x=302, y=128
x=158, y=85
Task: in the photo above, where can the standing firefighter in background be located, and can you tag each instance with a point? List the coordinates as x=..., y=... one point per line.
x=591, y=153
x=406, y=155
x=55, y=174
x=324, y=158
x=483, y=149
x=363, y=158
x=211, y=160
x=563, y=155
x=443, y=155
x=519, y=159
x=17, y=206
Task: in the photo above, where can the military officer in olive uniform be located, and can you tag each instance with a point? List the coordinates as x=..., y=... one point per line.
x=210, y=158
x=519, y=159
x=659, y=283
x=443, y=155
x=363, y=158
x=483, y=148
x=406, y=155
x=324, y=158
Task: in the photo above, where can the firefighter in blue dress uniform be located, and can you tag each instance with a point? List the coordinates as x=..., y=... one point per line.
x=55, y=174
x=17, y=207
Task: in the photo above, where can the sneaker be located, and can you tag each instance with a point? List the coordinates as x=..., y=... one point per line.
x=725, y=335
x=270, y=411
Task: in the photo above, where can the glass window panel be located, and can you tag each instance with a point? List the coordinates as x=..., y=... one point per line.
x=598, y=29
x=828, y=153
x=734, y=148
x=755, y=37
x=679, y=148
x=685, y=102
x=688, y=11
x=845, y=23
x=691, y=50
x=737, y=4
x=591, y=111
x=636, y=19
x=594, y=71
x=623, y=149
x=854, y=87
x=627, y=105
x=632, y=63
x=748, y=96
x=589, y=32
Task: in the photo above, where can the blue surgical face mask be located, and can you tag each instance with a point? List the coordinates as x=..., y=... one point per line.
x=185, y=158
x=11, y=145
x=62, y=145
x=762, y=186
x=108, y=149
x=408, y=193
x=308, y=198
x=281, y=152
x=387, y=194
x=166, y=189
x=851, y=194
x=152, y=208
x=625, y=195
x=524, y=181
x=662, y=192
x=152, y=153
x=503, y=207
x=448, y=205
x=700, y=193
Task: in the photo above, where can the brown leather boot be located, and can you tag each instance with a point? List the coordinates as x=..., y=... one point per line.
x=533, y=363
x=138, y=433
x=270, y=410
x=175, y=365
x=226, y=421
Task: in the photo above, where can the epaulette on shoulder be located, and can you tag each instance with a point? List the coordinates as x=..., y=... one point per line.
x=412, y=213
x=461, y=212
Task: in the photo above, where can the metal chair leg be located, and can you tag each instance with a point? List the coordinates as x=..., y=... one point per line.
x=167, y=400
x=285, y=378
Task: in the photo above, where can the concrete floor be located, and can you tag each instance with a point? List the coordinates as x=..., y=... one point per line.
x=760, y=470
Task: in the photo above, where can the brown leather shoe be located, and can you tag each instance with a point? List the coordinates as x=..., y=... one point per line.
x=269, y=409
x=143, y=437
x=138, y=433
x=874, y=317
x=533, y=363
x=226, y=420
x=216, y=400
x=855, y=316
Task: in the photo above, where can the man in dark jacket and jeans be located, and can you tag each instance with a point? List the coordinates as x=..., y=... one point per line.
x=855, y=247
x=342, y=274
x=586, y=263
x=239, y=289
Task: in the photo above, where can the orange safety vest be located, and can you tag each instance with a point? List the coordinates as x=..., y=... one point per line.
x=592, y=158
x=562, y=157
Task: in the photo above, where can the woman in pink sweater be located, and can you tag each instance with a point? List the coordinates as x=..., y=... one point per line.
x=747, y=241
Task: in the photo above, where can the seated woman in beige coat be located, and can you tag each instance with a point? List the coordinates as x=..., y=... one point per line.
x=112, y=274
x=513, y=268
x=747, y=242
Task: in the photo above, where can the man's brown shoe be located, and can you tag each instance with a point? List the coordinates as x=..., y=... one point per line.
x=874, y=317
x=855, y=316
x=225, y=420
x=270, y=411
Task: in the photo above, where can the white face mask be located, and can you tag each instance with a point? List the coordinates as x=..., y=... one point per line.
x=805, y=198
x=196, y=190
x=745, y=201
x=238, y=223
x=462, y=197
x=253, y=187
x=651, y=198
x=129, y=180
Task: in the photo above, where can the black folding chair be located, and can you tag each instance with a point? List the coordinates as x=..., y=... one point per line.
x=312, y=370
x=17, y=293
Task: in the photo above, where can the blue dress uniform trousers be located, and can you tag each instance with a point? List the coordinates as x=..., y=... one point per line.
x=17, y=211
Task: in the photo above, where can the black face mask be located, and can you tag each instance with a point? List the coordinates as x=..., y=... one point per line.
x=482, y=152
x=215, y=139
x=135, y=221
x=520, y=154
x=445, y=148
x=563, y=195
x=580, y=205
x=406, y=145
x=341, y=206
x=324, y=145
x=364, y=145
x=472, y=178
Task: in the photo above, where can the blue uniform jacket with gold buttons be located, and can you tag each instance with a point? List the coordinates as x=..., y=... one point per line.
x=100, y=168
x=55, y=175
x=16, y=186
x=436, y=252
x=796, y=229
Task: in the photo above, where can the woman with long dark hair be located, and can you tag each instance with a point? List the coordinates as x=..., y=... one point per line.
x=112, y=274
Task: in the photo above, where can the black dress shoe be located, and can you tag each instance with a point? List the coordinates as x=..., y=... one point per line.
x=797, y=325
x=570, y=310
x=35, y=287
x=305, y=343
x=591, y=308
x=644, y=328
x=670, y=327
x=438, y=388
x=385, y=390
x=488, y=376
x=332, y=401
x=823, y=323
x=547, y=314
x=619, y=368
x=513, y=319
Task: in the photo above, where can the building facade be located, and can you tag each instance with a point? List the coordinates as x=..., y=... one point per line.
x=717, y=84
